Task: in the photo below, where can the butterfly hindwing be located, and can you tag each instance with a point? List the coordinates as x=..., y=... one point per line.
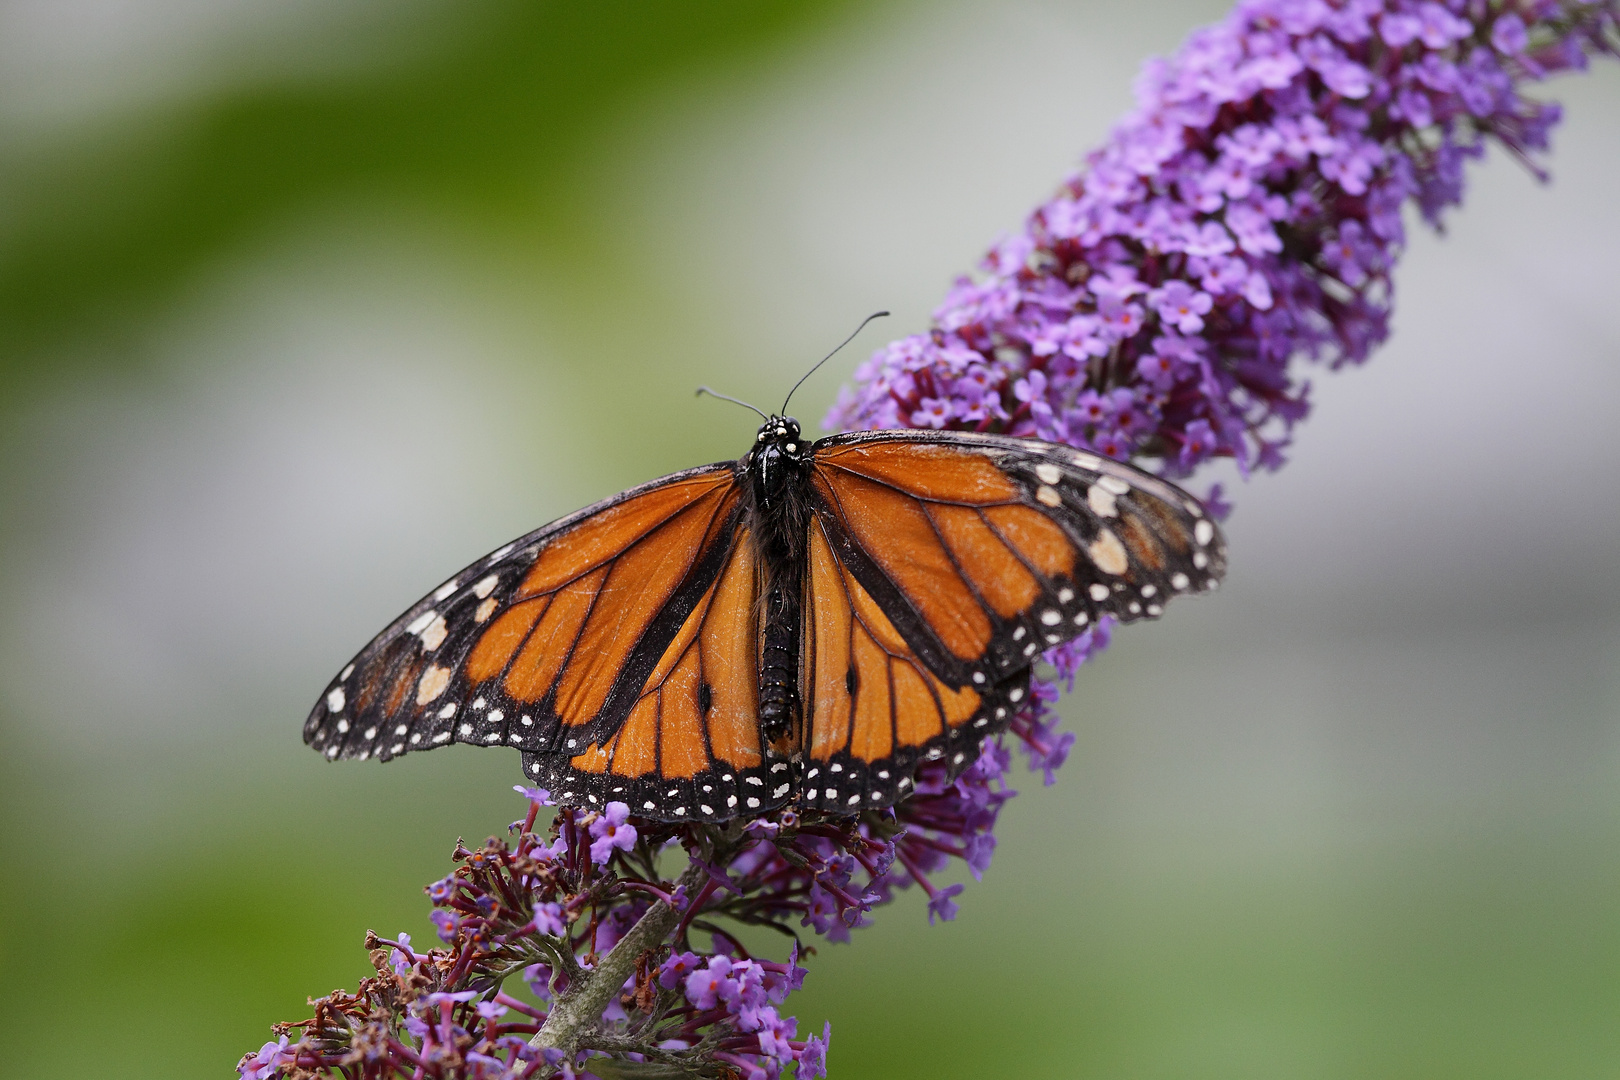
x=690, y=745
x=547, y=641
x=874, y=708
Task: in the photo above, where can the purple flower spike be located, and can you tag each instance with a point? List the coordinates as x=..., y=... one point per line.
x=1245, y=220
x=1243, y=223
x=1264, y=169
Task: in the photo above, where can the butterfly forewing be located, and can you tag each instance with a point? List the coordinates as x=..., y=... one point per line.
x=983, y=551
x=545, y=644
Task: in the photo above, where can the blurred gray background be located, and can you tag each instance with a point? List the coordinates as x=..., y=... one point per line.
x=303, y=306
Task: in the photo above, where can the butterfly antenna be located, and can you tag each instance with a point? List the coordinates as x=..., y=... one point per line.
x=829, y=356
x=726, y=397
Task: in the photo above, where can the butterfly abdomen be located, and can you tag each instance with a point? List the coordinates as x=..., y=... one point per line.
x=779, y=666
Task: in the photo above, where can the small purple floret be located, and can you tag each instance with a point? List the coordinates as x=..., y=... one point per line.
x=548, y=919
x=537, y=795
x=269, y=1059
x=611, y=831
x=813, y=1058
x=447, y=923
x=707, y=987
x=673, y=971
x=942, y=904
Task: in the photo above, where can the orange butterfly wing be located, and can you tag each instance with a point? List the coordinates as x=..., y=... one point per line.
x=874, y=707
x=564, y=642
x=619, y=647
x=690, y=747
x=942, y=564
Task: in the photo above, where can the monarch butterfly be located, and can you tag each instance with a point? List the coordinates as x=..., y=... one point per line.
x=809, y=622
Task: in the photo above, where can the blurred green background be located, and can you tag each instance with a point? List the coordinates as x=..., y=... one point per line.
x=304, y=305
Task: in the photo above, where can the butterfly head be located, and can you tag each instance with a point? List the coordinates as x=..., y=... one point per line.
x=782, y=434
x=779, y=456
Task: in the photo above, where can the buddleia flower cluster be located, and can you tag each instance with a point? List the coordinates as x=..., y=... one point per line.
x=1243, y=221
x=630, y=973
x=1247, y=217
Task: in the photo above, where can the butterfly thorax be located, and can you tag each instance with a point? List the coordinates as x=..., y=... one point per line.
x=778, y=468
x=778, y=513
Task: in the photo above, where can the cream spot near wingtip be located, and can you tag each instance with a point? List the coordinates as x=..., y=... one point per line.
x=434, y=633
x=434, y=680
x=1108, y=554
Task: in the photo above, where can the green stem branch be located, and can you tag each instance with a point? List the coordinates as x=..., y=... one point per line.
x=578, y=1011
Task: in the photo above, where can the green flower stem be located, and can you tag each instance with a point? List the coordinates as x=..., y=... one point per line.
x=579, y=1010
